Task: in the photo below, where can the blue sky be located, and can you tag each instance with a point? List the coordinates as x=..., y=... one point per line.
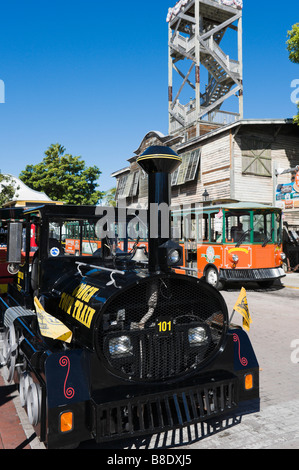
x=93, y=76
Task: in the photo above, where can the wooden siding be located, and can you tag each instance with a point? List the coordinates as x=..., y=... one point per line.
x=216, y=153
x=221, y=168
x=213, y=174
x=284, y=153
x=250, y=188
x=215, y=168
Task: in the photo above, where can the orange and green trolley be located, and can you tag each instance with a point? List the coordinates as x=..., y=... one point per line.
x=232, y=242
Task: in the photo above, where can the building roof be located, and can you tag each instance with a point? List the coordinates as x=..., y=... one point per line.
x=170, y=140
x=244, y=122
x=164, y=139
x=119, y=172
x=24, y=194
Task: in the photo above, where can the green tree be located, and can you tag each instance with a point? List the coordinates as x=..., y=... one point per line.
x=293, y=49
x=293, y=43
x=110, y=197
x=64, y=177
x=7, y=189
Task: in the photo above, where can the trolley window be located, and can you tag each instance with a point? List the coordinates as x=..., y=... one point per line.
x=237, y=226
x=205, y=227
x=262, y=227
x=277, y=228
x=216, y=228
x=72, y=237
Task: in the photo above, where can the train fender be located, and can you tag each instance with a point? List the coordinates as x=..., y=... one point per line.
x=67, y=377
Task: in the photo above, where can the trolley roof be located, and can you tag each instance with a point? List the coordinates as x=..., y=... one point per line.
x=233, y=206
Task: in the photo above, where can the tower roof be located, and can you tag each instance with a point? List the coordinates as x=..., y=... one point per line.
x=179, y=6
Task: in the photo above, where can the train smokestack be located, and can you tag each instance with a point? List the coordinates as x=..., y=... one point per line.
x=159, y=162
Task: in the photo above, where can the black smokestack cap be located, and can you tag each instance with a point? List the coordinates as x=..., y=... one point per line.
x=158, y=159
x=159, y=162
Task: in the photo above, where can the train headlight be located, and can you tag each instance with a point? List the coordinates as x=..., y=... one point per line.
x=174, y=256
x=235, y=258
x=283, y=256
x=120, y=346
x=170, y=253
x=197, y=336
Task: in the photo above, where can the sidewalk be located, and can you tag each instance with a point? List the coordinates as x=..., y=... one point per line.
x=12, y=435
x=15, y=431
x=291, y=281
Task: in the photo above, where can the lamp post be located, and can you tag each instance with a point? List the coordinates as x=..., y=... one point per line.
x=205, y=196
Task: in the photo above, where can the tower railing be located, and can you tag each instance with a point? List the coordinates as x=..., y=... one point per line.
x=196, y=29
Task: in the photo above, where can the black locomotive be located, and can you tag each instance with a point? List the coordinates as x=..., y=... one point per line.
x=144, y=349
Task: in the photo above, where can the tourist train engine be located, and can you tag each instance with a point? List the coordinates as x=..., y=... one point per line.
x=107, y=343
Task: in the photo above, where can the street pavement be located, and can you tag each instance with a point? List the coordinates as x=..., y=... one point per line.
x=274, y=334
x=15, y=430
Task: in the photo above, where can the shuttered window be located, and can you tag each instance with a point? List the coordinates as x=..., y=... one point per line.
x=121, y=185
x=188, y=168
x=135, y=183
x=143, y=184
x=256, y=157
x=128, y=187
x=192, y=165
x=183, y=169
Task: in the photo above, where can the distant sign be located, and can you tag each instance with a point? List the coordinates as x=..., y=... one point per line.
x=287, y=195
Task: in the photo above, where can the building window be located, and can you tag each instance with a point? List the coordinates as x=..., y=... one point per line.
x=129, y=182
x=192, y=165
x=256, y=157
x=121, y=184
x=135, y=183
x=188, y=168
x=128, y=185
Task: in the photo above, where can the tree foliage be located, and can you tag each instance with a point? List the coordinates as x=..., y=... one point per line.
x=293, y=48
x=293, y=43
x=64, y=177
x=110, y=197
x=7, y=189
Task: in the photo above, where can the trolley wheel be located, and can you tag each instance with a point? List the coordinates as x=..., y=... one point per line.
x=266, y=284
x=212, y=278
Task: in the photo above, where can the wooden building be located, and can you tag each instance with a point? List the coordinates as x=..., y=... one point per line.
x=225, y=158
x=237, y=162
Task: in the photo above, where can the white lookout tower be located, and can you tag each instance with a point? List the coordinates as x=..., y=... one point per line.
x=199, y=31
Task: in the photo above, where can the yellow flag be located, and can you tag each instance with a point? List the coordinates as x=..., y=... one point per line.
x=241, y=307
x=50, y=326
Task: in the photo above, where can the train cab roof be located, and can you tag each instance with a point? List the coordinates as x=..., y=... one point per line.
x=69, y=212
x=11, y=214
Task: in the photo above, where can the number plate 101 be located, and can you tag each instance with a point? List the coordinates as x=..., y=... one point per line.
x=164, y=327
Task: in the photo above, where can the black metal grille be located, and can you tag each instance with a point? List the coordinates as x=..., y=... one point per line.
x=156, y=321
x=171, y=410
x=251, y=274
